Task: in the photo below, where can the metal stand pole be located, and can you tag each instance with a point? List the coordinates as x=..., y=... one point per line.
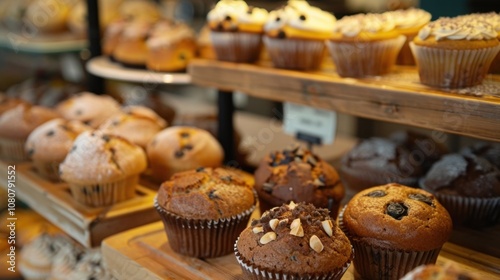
x=226, y=126
x=95, y=84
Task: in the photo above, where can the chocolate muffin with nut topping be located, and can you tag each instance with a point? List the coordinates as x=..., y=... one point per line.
x=296, y=174
x=204, y=210
x=294, y=241
x=393, y=229
x=182, y=148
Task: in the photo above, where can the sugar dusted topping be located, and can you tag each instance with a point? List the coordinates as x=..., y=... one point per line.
x=168, y=33
x=458, y=28
x=409, y=18
x=351, y=26
x=300, y=15
x=235, y=12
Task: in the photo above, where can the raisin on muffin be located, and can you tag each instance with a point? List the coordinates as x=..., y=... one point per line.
x=294, y=241
x=296, y=174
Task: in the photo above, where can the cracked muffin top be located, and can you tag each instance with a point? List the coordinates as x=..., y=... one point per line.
x=398, y=217
x=206, y=194
x=296, y=239
x=98, y=157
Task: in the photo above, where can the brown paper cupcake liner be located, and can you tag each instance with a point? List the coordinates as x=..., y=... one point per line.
x=104, y=194
x=236, y=46
x=452, y=68
x=12, y=150
x=358, y=59
x=373, y=262
x=295, y=53
x=203, y=238
x=251, y=271
x=405, y=56
x=48, y=170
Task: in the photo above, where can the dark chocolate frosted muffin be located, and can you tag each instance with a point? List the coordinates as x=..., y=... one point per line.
x=294, y=241
x=468, y=186
x=394, y=229
x=204, y=210
x=296, y=174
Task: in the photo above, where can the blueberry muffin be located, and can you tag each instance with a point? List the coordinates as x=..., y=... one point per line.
x=393, y=229
x=204, y=210
x=296, y=174
x=294, y=241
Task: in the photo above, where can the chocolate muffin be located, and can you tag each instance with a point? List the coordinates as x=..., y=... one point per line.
x=204, y=210
x=393, y=229
x=294, y=241
x=296, y=174
x=489, y=151
x=468, y=186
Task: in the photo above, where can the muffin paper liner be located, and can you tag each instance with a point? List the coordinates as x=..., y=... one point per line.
x=452, y=68
x=12, y=150
x=251, y=271
x=405, y=56
x=104, y=194
x=295, y=53
x=358, y=59
x=48, y=170
x=203, y=238
x=236, y=46
x=469, y=211
x=373, y=262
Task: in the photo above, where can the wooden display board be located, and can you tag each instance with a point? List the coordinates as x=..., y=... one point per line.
x=87, y=225
x=143, y=253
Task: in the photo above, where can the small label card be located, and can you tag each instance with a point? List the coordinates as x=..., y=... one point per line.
x=315, y=126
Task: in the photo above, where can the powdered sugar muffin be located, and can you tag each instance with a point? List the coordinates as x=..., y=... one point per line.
x=49, y=143
x=364, y=45
x=131, y=49
x=455, y=52
x=236, y=30
x=138, y=124
x=102, y=169
x=89, y=108
x=48, y=16
x=295, y=34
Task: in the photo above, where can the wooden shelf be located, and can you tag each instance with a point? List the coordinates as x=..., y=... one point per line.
x=87, y=225
x=398, y=97
x=144, y=253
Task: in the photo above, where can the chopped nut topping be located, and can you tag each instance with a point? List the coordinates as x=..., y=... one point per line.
x=317, y=182
x=297, y=231
x=291, y=205
x=327, y=226
x=316, y=244
x=284, y=221
x=268, y=237
x=295, y=223
x=273, y=223
x=258, y=229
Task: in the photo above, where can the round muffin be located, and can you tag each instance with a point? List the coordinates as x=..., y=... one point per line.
x=171, y=45
x=295, y=34
x=364, y=45
x=204, y=210
x=7, y=103
x=15, y=126
x=182, y=148
x=447, y=271
x=89, y=108
x=294, y=241
x=111, y=37
x=408, y=22
x=49, y=143
x=47, y=16
x=394, y=229
x=138, y=124
x=455, y=52
x=131, y=49
x=236, y=30
x=102, y=169
x=296, y=174
x=489, y=151
x=468, y=186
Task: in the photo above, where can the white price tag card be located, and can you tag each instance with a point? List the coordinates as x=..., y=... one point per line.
x=309, y=124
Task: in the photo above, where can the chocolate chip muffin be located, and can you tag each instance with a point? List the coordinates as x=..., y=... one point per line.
x=468, y=186
x=204, y=210
x=102, y=169
x=48, y=145
x=393, y=229
x=182, y=148
x=294, y=241
x=296, y=174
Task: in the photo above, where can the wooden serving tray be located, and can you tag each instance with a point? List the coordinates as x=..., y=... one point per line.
x=87, y=225
x=143, y=253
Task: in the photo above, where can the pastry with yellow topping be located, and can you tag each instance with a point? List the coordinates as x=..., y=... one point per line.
x=295, y=34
